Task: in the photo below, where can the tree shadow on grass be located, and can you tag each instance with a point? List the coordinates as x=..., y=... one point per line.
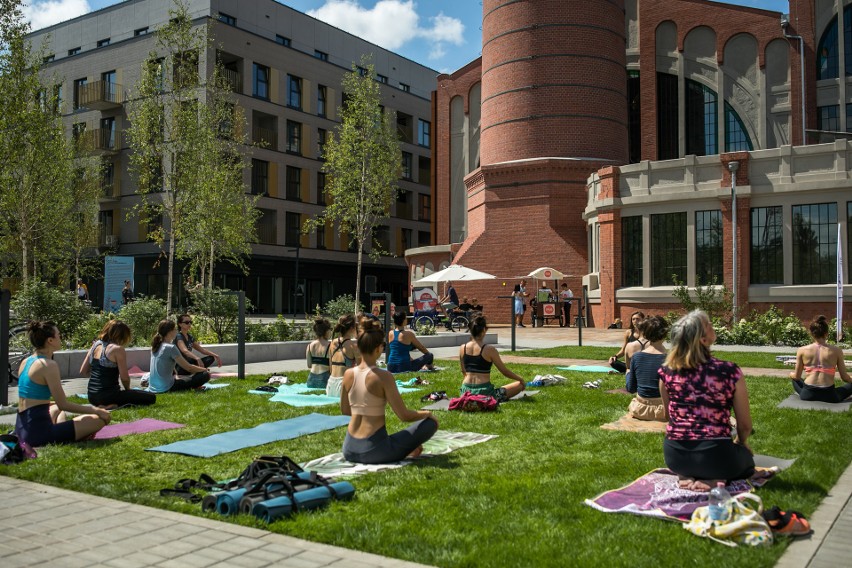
x=442, y=461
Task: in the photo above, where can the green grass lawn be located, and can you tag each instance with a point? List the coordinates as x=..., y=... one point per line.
x=516, y=500
x=741, y=358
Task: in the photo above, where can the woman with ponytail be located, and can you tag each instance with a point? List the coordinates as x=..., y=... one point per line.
x=366, y=391
x=107, y=363
x=476, y=359
x=164, y=356
x=344, y=353
x=699, y=392
x=40, y=422
x=820, y=362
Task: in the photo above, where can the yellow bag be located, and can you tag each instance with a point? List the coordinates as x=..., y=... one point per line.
x=744, y=524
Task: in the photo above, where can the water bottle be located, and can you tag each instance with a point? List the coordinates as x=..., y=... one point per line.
x=718, y=507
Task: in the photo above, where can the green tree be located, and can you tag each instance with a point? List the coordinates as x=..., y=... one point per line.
x=41, y=191
x=363, y=161
x=185, y=136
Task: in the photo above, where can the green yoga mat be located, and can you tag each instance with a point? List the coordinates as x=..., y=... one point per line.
x=589, y=369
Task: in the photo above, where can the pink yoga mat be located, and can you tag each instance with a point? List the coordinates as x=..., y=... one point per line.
x=135, y=427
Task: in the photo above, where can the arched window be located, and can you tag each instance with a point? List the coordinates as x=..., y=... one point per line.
x=827, y=52
x=702, y=131
x=736, y=135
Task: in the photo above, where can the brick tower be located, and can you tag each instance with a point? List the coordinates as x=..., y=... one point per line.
x=554, y=110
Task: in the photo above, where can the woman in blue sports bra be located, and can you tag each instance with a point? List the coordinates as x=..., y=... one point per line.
x=401, y=342
x=476, y=359
x=820, y=362
x=39, y=422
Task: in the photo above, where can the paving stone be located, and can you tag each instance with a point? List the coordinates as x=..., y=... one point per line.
x=141, y=558
x=318, y=557
x=188, y=561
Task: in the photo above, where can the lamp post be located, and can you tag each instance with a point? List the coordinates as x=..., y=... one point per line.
x=733, y=167
x=296, y=283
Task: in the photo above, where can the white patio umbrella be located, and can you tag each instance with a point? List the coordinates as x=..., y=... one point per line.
x=454, y=273
x=546, y=273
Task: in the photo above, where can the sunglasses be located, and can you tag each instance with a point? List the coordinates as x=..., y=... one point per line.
x=187, y=322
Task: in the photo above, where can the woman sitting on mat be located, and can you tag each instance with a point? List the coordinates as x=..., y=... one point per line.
x=629, y=337
x=316, y=355
x=344, y=353
x=643, y=378
x=366, y=391
x=401, y=342
x=39, y=422
x=164, y=356
x=820, y=362
x=476, y=359
x=107, y=361
x=699, y=392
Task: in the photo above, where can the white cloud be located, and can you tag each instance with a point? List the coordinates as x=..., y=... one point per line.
x=42, y=14
x=391, y=23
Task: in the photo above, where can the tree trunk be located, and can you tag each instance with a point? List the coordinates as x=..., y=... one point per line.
x=171, y=265
x=358, y=281
x=210, y=272
x=25, y=270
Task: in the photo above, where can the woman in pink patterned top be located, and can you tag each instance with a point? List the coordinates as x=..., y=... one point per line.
x=699, y=392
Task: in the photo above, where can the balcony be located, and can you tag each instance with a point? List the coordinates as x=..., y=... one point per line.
x=265, y=137
x=107, y=240
x=100, y=95
x=110, y=189
x=100, y=141
x=233, y=80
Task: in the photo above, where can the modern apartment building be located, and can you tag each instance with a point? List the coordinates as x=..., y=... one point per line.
x=285, y=69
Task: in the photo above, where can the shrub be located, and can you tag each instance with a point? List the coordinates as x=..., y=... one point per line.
x=220, y=309
x=41, y=301
x=715, y=300
x=143, y=315
x=341, y=305
x=89, y=330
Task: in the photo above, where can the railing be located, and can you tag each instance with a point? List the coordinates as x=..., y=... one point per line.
x=267, y=235
x=267, y=137
x=233, y=79
x=100, y=94
x=101, y=140
x=111, y=189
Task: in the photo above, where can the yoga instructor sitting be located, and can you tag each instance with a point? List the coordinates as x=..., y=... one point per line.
x=820, y=361
x=401, y=342
x=366, y=391
x=699, y=392
x=164, y=355
x=39, y=422
x=476, y=359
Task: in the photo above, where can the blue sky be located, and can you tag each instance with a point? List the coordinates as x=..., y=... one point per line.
x=442, y=34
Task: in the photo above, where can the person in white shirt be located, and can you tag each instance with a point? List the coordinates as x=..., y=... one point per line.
x=566, y=295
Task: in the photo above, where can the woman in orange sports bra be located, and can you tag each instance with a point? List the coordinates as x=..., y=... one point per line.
x=820, y=362
x=366, y=391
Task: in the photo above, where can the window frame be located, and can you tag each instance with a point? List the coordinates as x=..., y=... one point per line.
x=767, y=266
x=257, y=70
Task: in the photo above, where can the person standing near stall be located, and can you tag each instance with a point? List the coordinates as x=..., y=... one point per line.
x=566, y=295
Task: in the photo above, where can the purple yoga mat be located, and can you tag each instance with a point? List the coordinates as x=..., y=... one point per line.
x=135, y=427
x=657, y=494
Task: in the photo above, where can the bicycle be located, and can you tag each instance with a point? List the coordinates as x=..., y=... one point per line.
x=424, y=323
x=16, y=353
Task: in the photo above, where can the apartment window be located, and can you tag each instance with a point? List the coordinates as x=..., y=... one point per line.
x=140, y=31
x=667, y=116
x=403, y=204
x=73, y=51
x=407, y=236
x=828, y=117
x=406, y=165
x=381, y=239
x=424, y=171
x=321, y=55
x=294, y=92
x=631, y=251
x=260, y=81
x=294, y=183
x=293, y=229
x=108, y=86
x=320, y=237
x=828, y=57
x=767, y=254
x=266, y=227
x=57, y=93
x=424, y=207
x=78, y=87
x=322, y=136
x=381, y=79
x=815, y=243
x=259, y=177
x=362, y=71
x=634, y=117
x=736, y=135
x=321, y=188
x=185, y=72
x=227, y=19
x=103, y=42
x=77, y=130
x=701, y=120
x=424, y=238
x=849, y=238
x=281, y=40
x=107, y=137
x=322, y=95
x=105, y=220
x=48, y=58
x=294, y=137
x=108, y=179
x=708, y=247
x=424, y=133
x=668, y=248
x=404, y=87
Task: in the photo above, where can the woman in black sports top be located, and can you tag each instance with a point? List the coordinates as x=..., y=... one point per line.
x=476, y=360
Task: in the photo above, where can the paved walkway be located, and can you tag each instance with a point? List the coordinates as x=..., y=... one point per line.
x=85, y=530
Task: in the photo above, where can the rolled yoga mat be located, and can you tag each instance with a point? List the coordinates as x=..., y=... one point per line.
x=306, y=500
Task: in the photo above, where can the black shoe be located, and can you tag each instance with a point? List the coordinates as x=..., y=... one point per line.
x=521, y=325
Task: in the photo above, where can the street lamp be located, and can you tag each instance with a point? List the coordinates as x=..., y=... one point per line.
x=296, y=283
x=733, y=167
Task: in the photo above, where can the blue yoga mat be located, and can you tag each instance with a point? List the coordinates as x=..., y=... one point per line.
x=210, y=386
x=295, y=388
x=249, y=437
x=302, y=400
x=588, y=369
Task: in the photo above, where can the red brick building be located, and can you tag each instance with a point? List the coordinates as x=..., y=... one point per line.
x=594, y=137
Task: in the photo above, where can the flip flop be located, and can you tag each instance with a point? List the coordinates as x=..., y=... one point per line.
x=592, y=384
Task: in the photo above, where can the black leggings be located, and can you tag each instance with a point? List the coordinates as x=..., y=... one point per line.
x=822, y=394
x=619, y=366
x=708, y=459
x=122, y=398
x=381, y=448
x=192, y=382
x=205, y=361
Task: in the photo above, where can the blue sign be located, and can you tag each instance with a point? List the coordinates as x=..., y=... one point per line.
x=117, y=269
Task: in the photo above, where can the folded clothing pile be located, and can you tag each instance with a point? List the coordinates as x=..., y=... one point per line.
x=546, y=381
